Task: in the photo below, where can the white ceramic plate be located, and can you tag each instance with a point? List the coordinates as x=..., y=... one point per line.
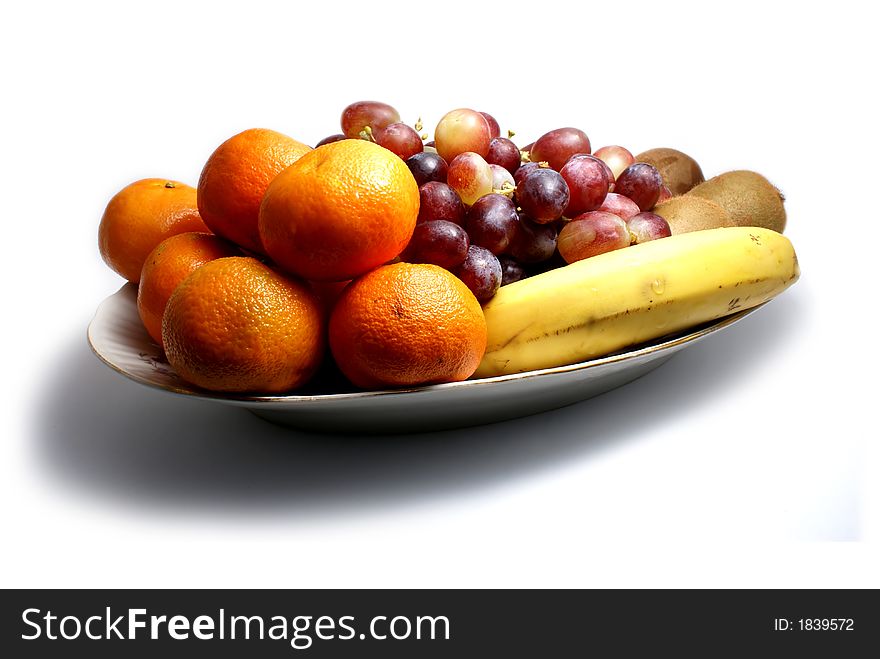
x=118, y=338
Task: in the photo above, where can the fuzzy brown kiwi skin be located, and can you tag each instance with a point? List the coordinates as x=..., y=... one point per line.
x=680, y=172
x=748, y=197
x=685, y=214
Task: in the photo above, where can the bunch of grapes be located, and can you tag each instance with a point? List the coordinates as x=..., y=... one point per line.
x=493, y=213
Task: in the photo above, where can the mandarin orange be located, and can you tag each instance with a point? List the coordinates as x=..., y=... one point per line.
x=339, y=211
x=236, y=176
x=407, y=324
x=142, y=215
x=237, y=325
x=169, y=264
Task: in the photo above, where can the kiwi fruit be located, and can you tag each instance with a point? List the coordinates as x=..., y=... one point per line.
x=686, y=213
x=749, y=198
x=679, y=171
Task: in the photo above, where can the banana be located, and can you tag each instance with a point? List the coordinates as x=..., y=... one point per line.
x=608, y=302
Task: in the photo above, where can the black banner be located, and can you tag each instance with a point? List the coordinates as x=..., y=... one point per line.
x=437, y=623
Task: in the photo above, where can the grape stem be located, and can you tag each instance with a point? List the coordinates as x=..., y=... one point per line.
x=506, y=189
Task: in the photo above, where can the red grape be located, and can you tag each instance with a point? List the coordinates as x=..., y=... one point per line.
x=361, y=115
x=460, y=131
x=640, y=182
x=480, y=272
x=665, y=193
x=616, y=157
x=494, y=128
x=587, y=179
x=543, y=194
x=590, y=234
x=427, y=166
x=331, y=138
x=470, y=176
x=647, y=226
x=532, y=242
x=399, y=138
x=624, y=207
x=557, y=146
x=491, y=222
x=440, y=242
x=437, y=201
x=511, y=270
x=504, y=152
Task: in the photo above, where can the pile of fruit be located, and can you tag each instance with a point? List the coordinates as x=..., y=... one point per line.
x=402, y=261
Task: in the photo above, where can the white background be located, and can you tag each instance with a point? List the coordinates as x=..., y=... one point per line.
x=747, y=460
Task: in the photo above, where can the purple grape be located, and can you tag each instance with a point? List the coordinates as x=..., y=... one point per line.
x=480, y=272
x=438, y=201
x=543, y=194
x=401, y=139
x=524, y=170
x=511, y=270
x=505, y=153
x=640, y=182
x=588, y=180
x=439, y=242
x=532, y=242
x=427, y=166
x=491, y=222
x=331, y=138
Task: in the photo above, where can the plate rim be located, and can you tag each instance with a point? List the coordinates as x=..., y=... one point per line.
x=651, y=348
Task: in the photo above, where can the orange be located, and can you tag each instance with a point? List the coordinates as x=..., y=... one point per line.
x=235, y=324
x=339, y=211
x=142, y=215
x=407, y=324
x=168, y=265
x=235, y=178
